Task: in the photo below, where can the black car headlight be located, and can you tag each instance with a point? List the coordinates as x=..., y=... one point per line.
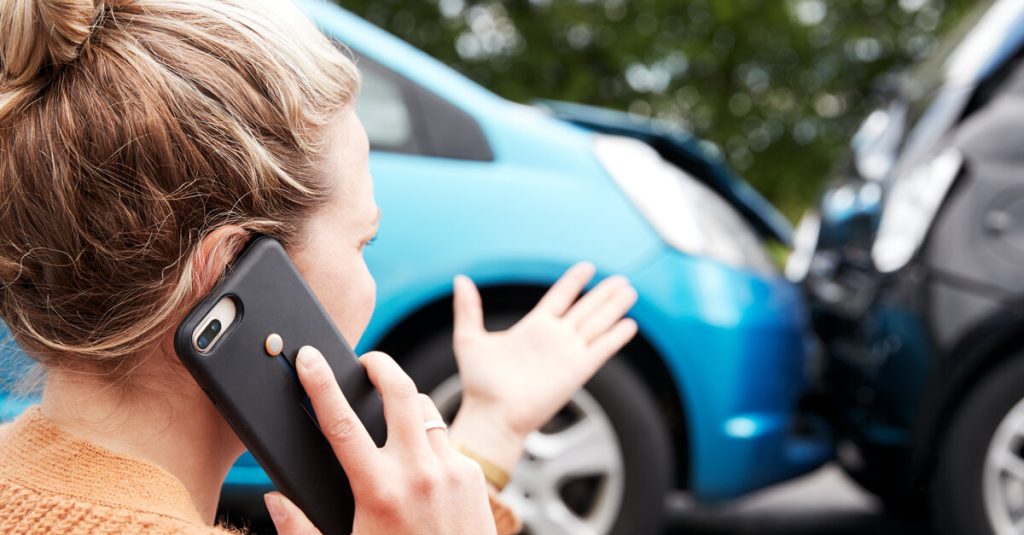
x=910, y=207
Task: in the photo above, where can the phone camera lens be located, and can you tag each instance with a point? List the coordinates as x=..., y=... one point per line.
x=208, y=335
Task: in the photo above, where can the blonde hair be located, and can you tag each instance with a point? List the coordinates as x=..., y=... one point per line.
x=130, y=129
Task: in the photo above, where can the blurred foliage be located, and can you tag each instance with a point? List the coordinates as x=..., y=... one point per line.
x=778, y=85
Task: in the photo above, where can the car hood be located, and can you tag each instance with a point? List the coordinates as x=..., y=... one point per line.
x=687, y=152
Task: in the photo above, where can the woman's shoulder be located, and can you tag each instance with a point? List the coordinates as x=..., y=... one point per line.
x=25, y=510
x=52, y=482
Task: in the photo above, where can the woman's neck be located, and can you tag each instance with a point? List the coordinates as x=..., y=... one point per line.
x=163, y=418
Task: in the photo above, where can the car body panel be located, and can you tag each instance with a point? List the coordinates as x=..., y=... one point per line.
x=488, y=222
x=748, y=327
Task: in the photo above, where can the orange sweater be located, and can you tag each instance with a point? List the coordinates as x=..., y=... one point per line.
x=53, y=482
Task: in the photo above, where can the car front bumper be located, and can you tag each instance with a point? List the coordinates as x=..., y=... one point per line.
x=738, y=346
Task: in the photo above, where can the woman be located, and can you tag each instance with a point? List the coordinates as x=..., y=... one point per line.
x=142, y=143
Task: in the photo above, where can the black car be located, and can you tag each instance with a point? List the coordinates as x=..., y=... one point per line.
x=914, y=265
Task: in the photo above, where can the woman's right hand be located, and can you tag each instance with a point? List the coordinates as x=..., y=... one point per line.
x=416, y=483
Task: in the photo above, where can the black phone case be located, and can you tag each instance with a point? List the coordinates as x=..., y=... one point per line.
x=260, y=396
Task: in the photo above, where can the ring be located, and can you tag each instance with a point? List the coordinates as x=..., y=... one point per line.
x=430, y=425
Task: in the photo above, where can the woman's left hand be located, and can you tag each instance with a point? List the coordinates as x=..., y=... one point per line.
x=515, y=380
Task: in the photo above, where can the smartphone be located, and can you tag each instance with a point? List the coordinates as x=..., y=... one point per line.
x=240, y=345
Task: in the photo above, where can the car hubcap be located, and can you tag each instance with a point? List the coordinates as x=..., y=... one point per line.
x=571, y=479
x=1004, y=474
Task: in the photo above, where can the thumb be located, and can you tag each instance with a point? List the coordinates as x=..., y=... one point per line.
x=287, y=517
x=469, y=313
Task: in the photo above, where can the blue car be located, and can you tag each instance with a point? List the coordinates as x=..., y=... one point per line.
x=704, y=400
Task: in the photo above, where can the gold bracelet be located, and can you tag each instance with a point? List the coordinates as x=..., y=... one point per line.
x=494, y=474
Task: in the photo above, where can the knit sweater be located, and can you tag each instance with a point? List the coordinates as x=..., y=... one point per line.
x=53, y=482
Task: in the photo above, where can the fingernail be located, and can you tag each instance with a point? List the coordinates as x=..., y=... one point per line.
x=308, y=358
x=276, y=508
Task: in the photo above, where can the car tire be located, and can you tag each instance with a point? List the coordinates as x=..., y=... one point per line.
x=960, y=499
x=643, y=439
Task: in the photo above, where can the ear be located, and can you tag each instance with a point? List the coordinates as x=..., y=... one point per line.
x=217, y=249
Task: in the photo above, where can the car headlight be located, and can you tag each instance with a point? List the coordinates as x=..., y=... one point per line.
x=876, y=142
x=910, y=207
x=805, y=241
x=688, y=215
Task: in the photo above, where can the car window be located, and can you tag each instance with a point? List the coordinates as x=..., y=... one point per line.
x=383, y=110
x=401, y=116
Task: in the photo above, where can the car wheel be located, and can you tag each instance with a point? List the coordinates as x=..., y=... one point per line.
x=602, y=465
x=979, y=482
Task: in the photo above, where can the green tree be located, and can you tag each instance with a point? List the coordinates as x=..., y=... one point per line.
x=778, y=85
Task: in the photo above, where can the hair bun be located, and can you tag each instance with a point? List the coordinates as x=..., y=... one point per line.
x=37, y=34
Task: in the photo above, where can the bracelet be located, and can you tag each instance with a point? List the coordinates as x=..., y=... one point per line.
x=494, y=474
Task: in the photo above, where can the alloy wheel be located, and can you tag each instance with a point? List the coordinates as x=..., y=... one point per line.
x=571, y=478
x=1003, y=476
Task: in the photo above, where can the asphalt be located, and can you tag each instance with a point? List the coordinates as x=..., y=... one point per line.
x=824, y=502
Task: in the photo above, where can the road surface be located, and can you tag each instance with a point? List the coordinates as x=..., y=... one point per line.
x=825, y=502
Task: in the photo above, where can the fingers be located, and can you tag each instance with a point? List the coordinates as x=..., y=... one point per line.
x=468, y=307
x=338, y=422
x=287, y=517
x=607, y=313
x=595, y=299
x=612, y=341
x=438, y=438
x=402, y=408
x=564, y=292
